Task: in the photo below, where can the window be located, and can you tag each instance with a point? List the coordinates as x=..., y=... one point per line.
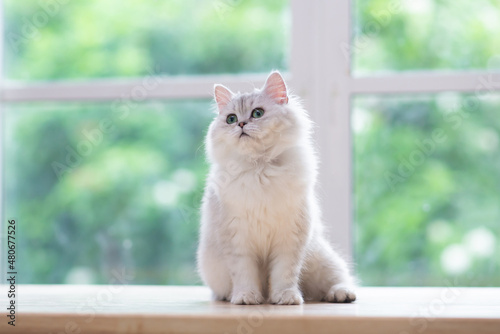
x=381, y=78
x=426, y=145
x=105, y=105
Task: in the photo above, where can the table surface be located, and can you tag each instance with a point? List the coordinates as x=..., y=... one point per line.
x=188, y=309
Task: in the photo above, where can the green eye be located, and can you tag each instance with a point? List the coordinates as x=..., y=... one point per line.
x=231, y=118
x=257, y=113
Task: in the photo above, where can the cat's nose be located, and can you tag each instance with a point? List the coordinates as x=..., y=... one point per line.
x=242, y=124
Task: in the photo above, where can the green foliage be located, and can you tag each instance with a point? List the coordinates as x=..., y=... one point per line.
x=396, y=35
x=129, y=198
x=93, y=39
x=420, y=197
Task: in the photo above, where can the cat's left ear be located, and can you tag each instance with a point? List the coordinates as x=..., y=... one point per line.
x=275, y=88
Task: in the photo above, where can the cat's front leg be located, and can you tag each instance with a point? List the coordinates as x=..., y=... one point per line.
x=284, y=272
x=246, y=282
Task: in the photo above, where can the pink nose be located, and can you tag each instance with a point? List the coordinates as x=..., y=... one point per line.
x=242, y=124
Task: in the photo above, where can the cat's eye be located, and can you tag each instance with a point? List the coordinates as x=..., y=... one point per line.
x=231, y=118
x=257, y=113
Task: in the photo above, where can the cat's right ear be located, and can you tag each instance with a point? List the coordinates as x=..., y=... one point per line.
x=222, y=96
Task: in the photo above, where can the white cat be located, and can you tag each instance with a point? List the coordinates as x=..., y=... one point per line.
x=261, y=235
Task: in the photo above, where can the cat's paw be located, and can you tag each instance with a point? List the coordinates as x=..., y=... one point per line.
x=340, y=294
x=287, y=297
x=247, y=298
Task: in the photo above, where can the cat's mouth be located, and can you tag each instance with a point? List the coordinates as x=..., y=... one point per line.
x=243, y=134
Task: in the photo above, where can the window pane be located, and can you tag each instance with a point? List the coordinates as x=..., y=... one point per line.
x=95, y=39
x=97, y=191
x=398, y=35
x=427, y=180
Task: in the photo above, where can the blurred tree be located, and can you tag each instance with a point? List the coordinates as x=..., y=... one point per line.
x=427, y=210
x=427, y=204
x=94, y=39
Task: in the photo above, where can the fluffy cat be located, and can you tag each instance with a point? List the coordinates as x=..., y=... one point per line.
x=261, y=236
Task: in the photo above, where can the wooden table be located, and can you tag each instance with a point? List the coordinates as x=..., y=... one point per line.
x=188, y=309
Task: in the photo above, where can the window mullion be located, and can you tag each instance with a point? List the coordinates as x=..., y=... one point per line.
x=321, y=73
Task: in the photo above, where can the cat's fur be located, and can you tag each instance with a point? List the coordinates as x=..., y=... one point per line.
x=261, y=236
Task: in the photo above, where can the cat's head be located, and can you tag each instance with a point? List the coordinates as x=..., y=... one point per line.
x=261, y=124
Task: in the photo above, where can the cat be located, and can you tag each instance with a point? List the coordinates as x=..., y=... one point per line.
x=261, y=236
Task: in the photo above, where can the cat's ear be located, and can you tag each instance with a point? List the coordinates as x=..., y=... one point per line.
x=275, y=88
x=222, y=96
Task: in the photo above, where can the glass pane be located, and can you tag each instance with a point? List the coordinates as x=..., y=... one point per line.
x=393, y=35
x=427, y=180
x=97, y=190
x=93, y=39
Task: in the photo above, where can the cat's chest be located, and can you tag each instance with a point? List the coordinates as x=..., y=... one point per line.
x=262, y=207
x=263, y=192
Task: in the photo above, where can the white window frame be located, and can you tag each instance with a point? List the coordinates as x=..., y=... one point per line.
x=319, y=73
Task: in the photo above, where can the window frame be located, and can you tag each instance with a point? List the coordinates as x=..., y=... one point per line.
x=319, y=73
